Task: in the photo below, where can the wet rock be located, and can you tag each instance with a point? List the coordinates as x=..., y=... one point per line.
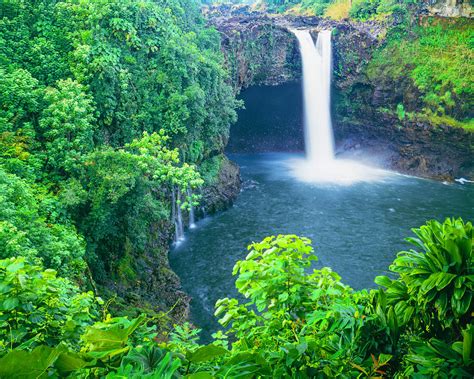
x=259, y=52
x=250, y=184
x=415, y=148
x=221, y=195
x=149, y=284
x=450, y=8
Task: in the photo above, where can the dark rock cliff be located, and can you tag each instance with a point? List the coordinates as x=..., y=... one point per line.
x=361, y=114
x=258, y=51
x=220, y=194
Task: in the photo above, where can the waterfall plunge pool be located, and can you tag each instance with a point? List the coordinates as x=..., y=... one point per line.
x=356, y=229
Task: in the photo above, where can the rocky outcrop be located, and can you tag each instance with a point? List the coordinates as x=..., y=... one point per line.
x=144, y=281
x=258, y=51
x=411, y=147
x=364, y=113
x=450, y=8
x=221, y=194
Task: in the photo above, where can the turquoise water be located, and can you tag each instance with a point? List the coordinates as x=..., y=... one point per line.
x=356, y=229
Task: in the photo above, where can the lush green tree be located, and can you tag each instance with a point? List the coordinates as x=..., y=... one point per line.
x=299, y=323
x=129, y=190
x=20, y=96
x=66, y=125
x=30, y=226
x=81, y=81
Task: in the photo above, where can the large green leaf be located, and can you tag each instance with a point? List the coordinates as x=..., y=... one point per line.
x=206, y=353
x=102, y=338
x=467, y=344
x=29, y=364
x=69, y=361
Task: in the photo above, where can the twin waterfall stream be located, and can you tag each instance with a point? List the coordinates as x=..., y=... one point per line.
x=320, y=164
x=319, y=141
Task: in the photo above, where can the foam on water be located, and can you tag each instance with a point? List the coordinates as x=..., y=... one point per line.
x=336, y=171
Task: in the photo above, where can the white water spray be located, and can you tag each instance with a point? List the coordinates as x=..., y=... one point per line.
x=320, y=164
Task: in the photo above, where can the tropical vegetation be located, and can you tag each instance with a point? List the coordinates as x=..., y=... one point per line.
x=291, y=321
x=113, y=114
x=108, y=111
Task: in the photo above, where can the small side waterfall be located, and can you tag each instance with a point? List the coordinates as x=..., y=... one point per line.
x=192, y=222
x=317, y=94
x=320, y=164
x=177, y=215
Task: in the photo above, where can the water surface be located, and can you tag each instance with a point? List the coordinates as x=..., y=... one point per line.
x=356, y=229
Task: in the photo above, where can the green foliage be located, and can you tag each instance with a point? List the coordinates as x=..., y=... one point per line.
x=96, y=99
x=209, y=169
x=66, y=126
x=372, y=9
x=124, y=202
x=430, y=302
x=294, y=322
x=401, y=112
x=358, y=9
x=37, y=307
x=20, y=98
x=434, y=291
x=363, y=9
x=298, y=323
x=39, y=362
x=313, y=7
x=436, y=358
x=47, y=328
x=434, y=56
x=147, y=362
x=29, y=228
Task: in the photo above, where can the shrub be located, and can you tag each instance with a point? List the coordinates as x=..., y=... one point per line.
x=298, y=323
x=38, y=308
x=434, y=290
x=338, y=10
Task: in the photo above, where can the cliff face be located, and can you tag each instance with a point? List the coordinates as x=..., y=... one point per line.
x=450, y=8
x=144, y=279
x=365, y=113
x=258, y=51
x=261, y=50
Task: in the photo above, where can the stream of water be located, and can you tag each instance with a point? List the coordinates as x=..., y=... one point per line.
x=356, y=229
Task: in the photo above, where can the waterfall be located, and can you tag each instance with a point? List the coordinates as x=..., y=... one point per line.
x=177, y=215
x=192, y=223
x=320, y=164
x=316, y=59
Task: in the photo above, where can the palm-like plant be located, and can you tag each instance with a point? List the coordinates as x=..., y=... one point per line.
x=435, y=286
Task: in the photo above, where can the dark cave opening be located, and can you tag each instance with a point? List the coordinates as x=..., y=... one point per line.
x=272, y=120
